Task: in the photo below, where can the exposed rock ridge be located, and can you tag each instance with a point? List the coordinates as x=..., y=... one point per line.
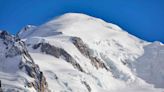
x=16, y=47
x=87, y=86
x=58, y=52
x=85, y=50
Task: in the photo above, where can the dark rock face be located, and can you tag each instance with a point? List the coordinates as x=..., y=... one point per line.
x=39, y=83
x=54, y=51
x=1, y=87
x=98, y=63
x=11, y=43
x=58, y=52
x=6, y=36
x=33, y=71
x=87, y=86
x=16, y=47
x=85, y=50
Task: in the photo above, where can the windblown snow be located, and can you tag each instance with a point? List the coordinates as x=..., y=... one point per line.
x=80, y=53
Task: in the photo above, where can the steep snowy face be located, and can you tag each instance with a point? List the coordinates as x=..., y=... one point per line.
x=25, y=30
x=18, y=72
x=80, y=53
x=8, y=49
x=93, y=31
x=151, y=64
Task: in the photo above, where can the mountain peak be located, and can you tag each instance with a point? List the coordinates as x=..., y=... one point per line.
x=80, y=15
x=75, y=24
x=80, y=53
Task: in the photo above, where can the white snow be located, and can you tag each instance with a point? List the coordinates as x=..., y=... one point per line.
x=136, y=65
x=12, y=79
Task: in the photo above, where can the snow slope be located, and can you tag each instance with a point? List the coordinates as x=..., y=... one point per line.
x=18, y=71
x=80, y=53
x=12, y=78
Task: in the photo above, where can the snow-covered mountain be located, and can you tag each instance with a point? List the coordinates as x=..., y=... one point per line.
x=18, y=71
x=80, y=53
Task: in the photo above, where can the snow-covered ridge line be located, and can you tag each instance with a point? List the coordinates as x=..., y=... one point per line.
x=80, y=53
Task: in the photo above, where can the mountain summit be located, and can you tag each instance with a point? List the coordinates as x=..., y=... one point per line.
x=79, y=53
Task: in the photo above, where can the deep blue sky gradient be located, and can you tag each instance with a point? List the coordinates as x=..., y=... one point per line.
x=142, y=18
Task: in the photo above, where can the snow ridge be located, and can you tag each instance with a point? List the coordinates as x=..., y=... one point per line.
x=80, y=53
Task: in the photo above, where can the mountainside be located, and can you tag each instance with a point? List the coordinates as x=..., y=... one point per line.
x=80, y=53
x=18, y=71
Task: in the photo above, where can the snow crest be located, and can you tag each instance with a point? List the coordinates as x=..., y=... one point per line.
x=80, y=53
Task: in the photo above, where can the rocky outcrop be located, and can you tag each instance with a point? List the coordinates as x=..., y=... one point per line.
x=87, y=86
x=58, y=52
x=6, y=37
x=33, y=71
x=97, y=63
x=15, y=47
x=1, y=87
x=85, y=50
x=41, y=85
x=13, y=44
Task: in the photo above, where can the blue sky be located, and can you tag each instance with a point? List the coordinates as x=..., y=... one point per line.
x=142, y=18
